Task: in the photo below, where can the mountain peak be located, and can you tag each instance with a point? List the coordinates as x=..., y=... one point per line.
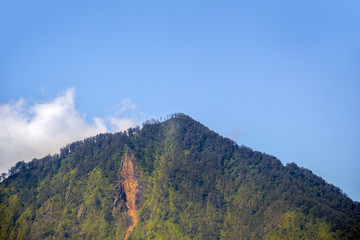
x=173, y=179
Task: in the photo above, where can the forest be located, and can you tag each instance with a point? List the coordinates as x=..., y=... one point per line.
x=192, y=183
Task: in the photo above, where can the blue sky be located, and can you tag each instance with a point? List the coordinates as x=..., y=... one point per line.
x=282, y=77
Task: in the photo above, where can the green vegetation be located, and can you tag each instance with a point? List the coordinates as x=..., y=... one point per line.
x=194, y=184
x=295, y=225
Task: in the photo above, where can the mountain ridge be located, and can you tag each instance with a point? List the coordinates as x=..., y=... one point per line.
x=195, y=184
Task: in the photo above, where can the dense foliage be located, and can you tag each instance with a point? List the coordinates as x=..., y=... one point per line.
x=194, y=184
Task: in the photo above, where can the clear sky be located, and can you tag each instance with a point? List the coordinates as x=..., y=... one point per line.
x=282, y=77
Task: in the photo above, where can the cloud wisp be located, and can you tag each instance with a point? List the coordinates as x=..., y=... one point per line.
x=124, y=116
x=33, y=131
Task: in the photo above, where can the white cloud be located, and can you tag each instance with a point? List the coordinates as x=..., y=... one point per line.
x=125, y=106
x=29, y=131
x=124, y=116
x=121, y=124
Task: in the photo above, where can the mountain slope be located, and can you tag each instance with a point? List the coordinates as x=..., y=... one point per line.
x=170, y=180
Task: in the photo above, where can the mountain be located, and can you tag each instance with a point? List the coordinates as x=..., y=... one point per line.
x=174, y=179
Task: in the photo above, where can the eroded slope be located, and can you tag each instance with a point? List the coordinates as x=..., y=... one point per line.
x=130, y=185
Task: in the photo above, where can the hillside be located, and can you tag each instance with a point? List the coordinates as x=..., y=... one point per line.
x=170, y=180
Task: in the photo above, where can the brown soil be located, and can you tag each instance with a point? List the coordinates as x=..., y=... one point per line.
x=130, y=185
